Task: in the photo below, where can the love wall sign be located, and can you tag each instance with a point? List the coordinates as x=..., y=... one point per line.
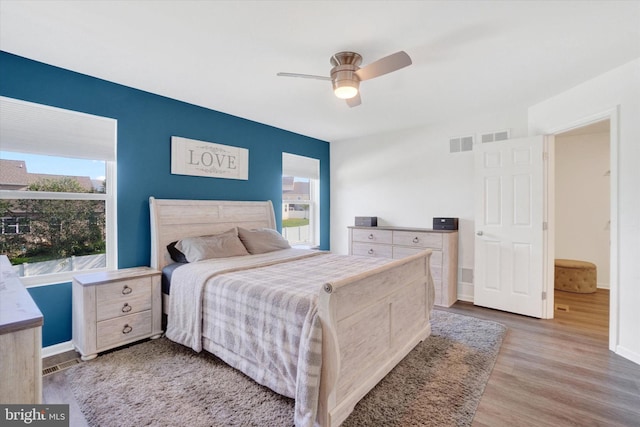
x=200, y=158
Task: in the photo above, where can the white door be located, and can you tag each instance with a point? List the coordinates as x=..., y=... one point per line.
x=509, y=214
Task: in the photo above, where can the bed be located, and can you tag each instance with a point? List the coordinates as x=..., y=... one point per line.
x=360, y=316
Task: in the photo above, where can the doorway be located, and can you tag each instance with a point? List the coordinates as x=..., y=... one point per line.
x=582, y=219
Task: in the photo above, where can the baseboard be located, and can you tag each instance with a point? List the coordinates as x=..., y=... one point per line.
x=52, y=350
x=628, y=354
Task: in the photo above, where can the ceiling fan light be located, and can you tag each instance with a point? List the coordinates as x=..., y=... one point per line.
x=345, y=92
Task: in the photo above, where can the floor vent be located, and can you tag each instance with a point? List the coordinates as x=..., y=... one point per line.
x=60, y=367
x=562, y=307
x=50, y=370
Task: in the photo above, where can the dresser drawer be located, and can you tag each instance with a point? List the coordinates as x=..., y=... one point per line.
x=372, y=236
x=122, y=306
x=373, y=250
x=122, y=329
x=417, y=239
x=403, y=252
x=123, y=289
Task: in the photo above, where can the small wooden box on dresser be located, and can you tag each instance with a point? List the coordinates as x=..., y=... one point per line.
x=20, y=341
x=399, y=242
x=114, y=308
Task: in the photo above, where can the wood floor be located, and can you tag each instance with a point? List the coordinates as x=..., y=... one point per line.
x=555, y=372
x=558, y=372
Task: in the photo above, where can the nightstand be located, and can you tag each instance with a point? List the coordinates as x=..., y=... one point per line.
x=114, y=308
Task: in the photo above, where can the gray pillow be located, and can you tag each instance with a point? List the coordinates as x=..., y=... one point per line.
x=261, y=240
x=222, y=245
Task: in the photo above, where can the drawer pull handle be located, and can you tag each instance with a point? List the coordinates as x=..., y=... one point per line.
x=127, y=329
x=126, y=307
x=370, y=251
x=370, y=236
x=416, y=240
x=126, y=290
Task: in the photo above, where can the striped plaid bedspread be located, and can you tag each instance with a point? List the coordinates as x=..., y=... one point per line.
x=259, y=314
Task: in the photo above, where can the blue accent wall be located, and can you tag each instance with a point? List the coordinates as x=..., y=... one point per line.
x=54, y=301
x=146, y=123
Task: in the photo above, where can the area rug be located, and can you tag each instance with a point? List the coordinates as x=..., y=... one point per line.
x=160, y=383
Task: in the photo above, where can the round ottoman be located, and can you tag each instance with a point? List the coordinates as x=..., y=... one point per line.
x=575, y=276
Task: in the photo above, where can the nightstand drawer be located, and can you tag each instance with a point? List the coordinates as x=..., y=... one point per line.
x=417, y=239
x=373, y=250
x=372, y=236
x=124, y=289
x=122, y=307
x=122, y=329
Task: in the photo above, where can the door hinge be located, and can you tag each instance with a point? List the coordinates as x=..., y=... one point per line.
x=544, y=295
x=545, y=155
x=545, y=225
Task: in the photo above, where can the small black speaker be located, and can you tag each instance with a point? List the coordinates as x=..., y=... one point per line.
x=445, y=223
x=366, y=221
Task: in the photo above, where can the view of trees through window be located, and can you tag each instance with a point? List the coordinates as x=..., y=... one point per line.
x=52, y=219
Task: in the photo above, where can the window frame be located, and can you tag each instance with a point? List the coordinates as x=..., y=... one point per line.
x=305, y=167
x=109, y=196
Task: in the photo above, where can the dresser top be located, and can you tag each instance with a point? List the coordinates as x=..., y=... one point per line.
x=17, y=309
x=385, y=227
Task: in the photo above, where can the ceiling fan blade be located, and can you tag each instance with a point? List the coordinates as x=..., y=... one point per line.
x=384, y=65
x=355, y=101
x=304, y=76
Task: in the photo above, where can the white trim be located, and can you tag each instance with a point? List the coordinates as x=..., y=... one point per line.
x=59, y=348
x=111, y=219
x=628, y=354
x=613, y=115
x=50, y=195
x=550, y=218
x=55, y=278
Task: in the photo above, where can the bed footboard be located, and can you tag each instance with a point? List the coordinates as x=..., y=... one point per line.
x=370, y=323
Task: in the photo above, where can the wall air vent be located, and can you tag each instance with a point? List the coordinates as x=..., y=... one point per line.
x=460, y=143
x=500, y=135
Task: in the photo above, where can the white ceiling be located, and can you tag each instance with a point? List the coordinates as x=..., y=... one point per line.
x=468, y=56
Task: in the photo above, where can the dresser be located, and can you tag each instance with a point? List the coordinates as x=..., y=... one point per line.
x=114, y=308
x=20, y=341
x=399, y=242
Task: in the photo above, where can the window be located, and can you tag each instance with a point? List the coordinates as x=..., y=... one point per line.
x=57, y=191
x=300, y=200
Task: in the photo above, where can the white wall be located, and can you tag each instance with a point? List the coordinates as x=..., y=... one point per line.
x=582, y=212
x=617, y=89
x=406, y=178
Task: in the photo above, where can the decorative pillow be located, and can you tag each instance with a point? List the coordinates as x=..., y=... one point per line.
x=175, y=254
x=222, y=245
x=261, y=240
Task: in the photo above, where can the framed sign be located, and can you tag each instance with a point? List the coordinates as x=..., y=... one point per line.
x=200, y=158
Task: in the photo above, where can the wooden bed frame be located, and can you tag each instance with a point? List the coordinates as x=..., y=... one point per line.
x=370, y=322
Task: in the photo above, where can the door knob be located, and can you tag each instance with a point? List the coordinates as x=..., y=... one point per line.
x=479, y=233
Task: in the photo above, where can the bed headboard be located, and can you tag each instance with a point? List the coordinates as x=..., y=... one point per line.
x=173, y=219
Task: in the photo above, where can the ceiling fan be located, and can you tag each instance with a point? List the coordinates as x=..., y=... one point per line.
x=346, y=73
